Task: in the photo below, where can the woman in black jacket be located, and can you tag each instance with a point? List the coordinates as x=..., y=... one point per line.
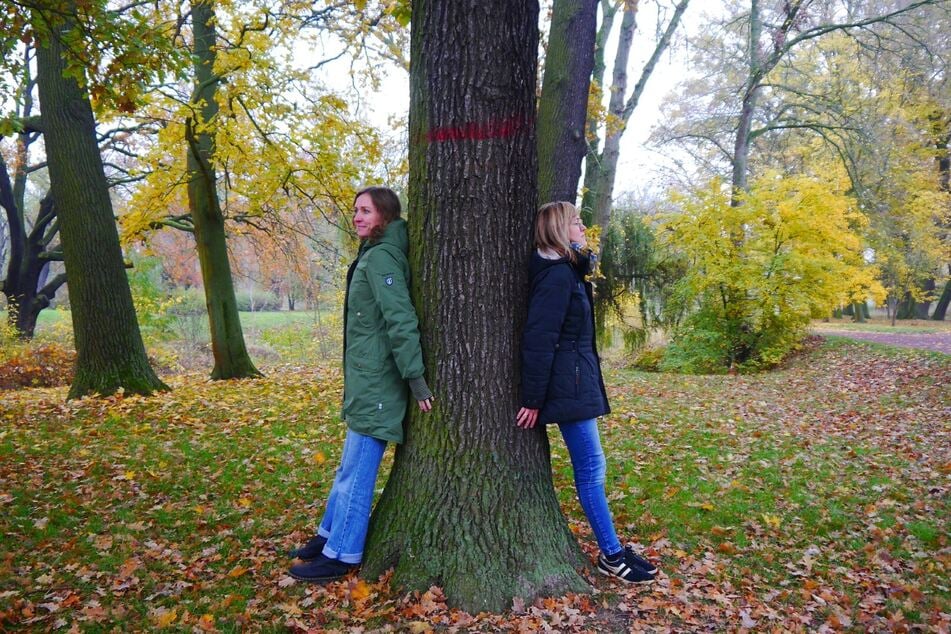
x=561, y=374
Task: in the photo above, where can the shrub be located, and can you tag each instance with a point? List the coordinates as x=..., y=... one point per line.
x=760, y=271
x=47, y=365
x=648, y=359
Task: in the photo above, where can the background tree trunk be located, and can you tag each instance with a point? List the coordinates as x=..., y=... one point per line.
x=941, y=308
x=469, y=504
x=110, y=352
x=922, y=308
x=563, y=107
x=227, y=339
x=25, y=285
x=601, y=169
x=592, y=169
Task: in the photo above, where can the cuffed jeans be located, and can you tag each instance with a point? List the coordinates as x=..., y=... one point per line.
x=348, y=507
x=590, y=467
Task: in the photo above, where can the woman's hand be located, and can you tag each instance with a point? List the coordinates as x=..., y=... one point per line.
x=526, y=418
x=426, y=405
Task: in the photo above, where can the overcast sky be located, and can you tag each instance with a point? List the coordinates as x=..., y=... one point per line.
x=639, y=168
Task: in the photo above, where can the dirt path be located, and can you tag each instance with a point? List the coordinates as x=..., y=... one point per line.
x=935, y=341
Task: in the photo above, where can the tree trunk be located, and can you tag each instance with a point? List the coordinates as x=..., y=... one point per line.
x=470, y=504
x=614, y=128
x=621, y=107
x=858, y=314
x=25, y=287
x=110, y=352
x=941, y=308
x=563, y=107
x=25, y=284
x=227, y=340
x=592, y=168
x=922, y=308
x=906, y=308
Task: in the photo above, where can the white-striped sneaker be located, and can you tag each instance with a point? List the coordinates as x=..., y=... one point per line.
x=625, y=568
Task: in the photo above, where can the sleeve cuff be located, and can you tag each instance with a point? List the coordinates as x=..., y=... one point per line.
x=419, y=389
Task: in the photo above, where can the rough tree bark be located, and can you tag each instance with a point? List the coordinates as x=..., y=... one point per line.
x=563, y=107
x=227, y=340
x=470, y=504
x=110, y=352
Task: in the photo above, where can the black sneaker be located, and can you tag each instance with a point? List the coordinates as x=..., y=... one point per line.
x=625, y=568
x=322, y=570
x=639, y=561
x=311, y=550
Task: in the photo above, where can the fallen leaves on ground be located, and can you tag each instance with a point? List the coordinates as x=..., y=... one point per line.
x=812, y=498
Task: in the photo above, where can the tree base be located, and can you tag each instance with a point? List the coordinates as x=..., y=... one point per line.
x=236, y=371
x=483, y=538
x=142, y=381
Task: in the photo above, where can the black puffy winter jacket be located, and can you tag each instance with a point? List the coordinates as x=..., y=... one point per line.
x=561, y=371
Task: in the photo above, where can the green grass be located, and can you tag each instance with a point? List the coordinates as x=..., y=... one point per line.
x=258, y=320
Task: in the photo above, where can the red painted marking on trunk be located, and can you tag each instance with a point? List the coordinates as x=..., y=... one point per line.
x=478, y=131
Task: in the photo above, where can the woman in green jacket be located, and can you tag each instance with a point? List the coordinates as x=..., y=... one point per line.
x=382, y=357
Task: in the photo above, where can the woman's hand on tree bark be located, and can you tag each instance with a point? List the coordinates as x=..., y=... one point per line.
x=526, y=418
x=425, y=405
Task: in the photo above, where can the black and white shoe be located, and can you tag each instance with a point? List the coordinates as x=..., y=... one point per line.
x=625, y=567
x=639, y=561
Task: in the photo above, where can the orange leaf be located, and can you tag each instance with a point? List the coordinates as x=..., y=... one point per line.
x=360, y=590
x=163, y=617
x=207, y=622
x=237, y=571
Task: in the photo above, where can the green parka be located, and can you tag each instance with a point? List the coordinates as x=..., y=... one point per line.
x=381, y=338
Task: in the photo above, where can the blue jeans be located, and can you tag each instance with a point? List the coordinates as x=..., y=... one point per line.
x=348, y=506
x=589, y=465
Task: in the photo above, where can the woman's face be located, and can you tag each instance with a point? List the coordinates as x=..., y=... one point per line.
x=576, y=231
x=366, y=217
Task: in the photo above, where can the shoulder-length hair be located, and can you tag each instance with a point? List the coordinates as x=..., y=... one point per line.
x=552, y=224
x=386, y=202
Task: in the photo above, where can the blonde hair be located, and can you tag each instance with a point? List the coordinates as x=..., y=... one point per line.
x=552, y=225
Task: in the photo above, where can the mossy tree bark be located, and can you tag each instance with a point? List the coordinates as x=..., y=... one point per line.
x=227, y=339
x=563, y=107
x=470, y=505
x=110, y=352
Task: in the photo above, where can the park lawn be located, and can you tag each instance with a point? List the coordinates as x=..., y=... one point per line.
x=813, y=495
x=882, y=324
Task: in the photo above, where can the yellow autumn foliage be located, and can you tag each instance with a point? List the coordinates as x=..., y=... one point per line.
x=759, y=271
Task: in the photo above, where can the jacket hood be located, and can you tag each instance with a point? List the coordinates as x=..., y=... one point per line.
x=538, y=264
x=395, y=235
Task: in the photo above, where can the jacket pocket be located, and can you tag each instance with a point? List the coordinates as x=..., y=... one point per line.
x=565, y=375
x=363, y=387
